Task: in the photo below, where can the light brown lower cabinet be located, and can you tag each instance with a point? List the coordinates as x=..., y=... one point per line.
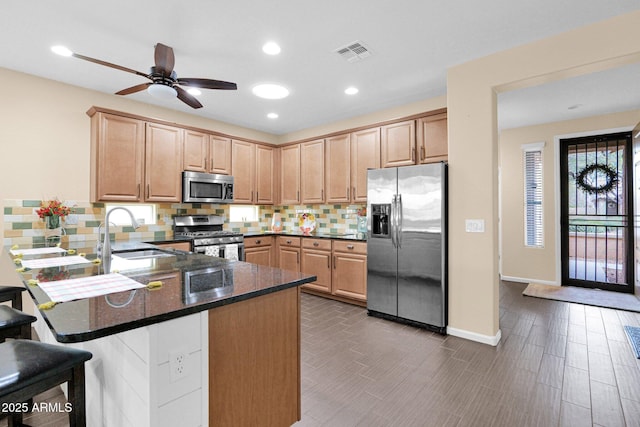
x=339, y=265
x=289, y=253
x=179, y=246
x=254, y=361
x=316, y=260
x=259, y=250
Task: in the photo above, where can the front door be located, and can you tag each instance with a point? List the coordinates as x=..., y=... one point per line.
x=597, y=212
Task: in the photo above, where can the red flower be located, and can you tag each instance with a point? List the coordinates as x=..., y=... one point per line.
x=53, y=207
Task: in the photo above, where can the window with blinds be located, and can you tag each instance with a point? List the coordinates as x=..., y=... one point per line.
x=533, y=224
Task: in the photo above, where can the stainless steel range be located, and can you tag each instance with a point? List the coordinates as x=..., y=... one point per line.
x=208, y=236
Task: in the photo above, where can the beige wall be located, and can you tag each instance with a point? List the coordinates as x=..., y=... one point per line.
x=473, y=154
x=539, y=264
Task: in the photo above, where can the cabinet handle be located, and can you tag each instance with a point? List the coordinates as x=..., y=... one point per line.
x=148, y=191
x=288, y=242
x=138, y=191
x=297, y=257
x=354, y=193
x=298, y=199
x=205, y=164
x=349, y=246
x=321, y=194
x=423, y=154
x=258, y=241
x=413, y=154
x=329, y=262
x=316, y=244
x=257, y=198
x=334, y=262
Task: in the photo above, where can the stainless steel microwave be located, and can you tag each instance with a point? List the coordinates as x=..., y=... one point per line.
x=200, y=187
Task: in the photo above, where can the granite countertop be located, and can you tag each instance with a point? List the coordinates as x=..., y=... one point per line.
x=362, y=237
x=191, y=283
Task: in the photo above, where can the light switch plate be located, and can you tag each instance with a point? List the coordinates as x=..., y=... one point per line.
x=474, y=225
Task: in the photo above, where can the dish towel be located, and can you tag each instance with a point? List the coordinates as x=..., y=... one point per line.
x=231, y=252
x=212, y=251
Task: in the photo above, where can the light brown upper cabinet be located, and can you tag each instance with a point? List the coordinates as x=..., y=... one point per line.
x=365, y=154
x=206, y=153
x=433, y=138
x=348, y=157
x=312, y=171
x=290, y=175
x=163, y=163
x=338, y=164
x=398, y=144
x=117, y=158
x=252, y=169
x=264, y=184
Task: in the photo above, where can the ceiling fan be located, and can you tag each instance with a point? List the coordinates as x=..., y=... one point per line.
x=164, y=80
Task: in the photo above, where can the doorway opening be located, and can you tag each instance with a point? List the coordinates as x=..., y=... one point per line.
x=596, y=177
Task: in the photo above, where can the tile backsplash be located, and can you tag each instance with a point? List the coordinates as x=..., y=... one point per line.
x=22, y=225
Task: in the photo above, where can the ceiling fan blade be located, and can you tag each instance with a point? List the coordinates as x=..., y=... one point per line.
x=109, y=64
x=207, y=84
x=134, y=89
x=165, y=59
x=188, y=99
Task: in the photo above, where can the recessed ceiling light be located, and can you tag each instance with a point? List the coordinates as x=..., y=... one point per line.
x=270, y=91
x=61, y=50
x=272, y=115
x=351, y=90
x=271, y=48
x=194, y=91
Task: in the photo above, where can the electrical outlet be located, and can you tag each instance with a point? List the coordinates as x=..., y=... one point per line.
x=178, y=365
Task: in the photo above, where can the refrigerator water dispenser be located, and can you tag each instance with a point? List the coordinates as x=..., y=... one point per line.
x=380, y=219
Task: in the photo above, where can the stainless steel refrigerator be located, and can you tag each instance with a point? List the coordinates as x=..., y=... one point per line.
x=407, y=244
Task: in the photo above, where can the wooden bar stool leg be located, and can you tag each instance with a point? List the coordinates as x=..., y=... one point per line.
x=76, y=396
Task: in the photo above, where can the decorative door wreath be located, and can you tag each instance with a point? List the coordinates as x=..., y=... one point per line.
x=588, y=182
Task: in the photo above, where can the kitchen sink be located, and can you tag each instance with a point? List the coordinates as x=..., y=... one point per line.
x=143, y=254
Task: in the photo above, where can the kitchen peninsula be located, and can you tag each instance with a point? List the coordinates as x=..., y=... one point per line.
x=196, y=318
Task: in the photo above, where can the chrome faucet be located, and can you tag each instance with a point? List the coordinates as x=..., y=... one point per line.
x=106, y=245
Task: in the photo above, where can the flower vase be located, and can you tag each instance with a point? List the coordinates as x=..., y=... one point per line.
x=52, y=230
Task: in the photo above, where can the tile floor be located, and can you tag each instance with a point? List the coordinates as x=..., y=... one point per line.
x=558, y=364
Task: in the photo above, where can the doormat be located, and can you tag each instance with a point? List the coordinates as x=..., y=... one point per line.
x=595, y=297
x=633, y=333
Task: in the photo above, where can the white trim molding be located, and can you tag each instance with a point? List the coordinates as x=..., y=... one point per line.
x=473, y=336
x=533, y=146
x=525, y=280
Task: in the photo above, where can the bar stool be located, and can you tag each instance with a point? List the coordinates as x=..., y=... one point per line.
x=28, y=368
x=13, y=294
x=14, y=324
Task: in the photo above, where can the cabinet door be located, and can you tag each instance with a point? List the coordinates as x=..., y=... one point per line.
x=177, y=245
x=290, y=175
x=289, y=258
x=117, y=156
x=243, y=170
x=350, y=275
x=338, y=168
x=312, y=171
x=264, y=175
x=365, y=154
x=433, y=138
x=220, y=155
x=260, y=255
x=398, y=144
x=163, y=165
x=195, y=151
x=317, y=263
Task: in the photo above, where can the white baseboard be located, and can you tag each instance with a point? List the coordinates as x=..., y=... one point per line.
x=525, y=280
x=484, y=339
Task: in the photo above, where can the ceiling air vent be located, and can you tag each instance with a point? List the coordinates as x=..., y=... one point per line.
x=353, y=51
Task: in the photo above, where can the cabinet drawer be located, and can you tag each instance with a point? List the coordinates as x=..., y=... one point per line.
x=349, y=247
x=254, y=242
x=289, y=241
x=320, y=244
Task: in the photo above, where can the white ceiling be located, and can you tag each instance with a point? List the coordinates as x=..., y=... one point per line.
x=412, y=44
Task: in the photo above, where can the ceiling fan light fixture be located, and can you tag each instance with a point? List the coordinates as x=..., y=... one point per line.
x=194, y=91
x=61, y=50
x=351, y=90
x=272, y=115
x=161, y=91
x=270, y=91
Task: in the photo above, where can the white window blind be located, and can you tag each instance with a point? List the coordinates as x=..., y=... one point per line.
x=533, y=219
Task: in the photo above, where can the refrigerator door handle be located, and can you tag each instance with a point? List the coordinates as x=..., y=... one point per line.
x=399, y=222
x=392, y=231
